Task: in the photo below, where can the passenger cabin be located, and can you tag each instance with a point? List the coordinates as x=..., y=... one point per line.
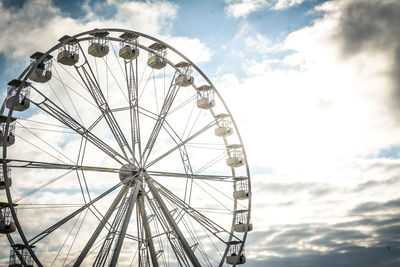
x=129, y=46
x=11, y=130
x=7, y=224
x=26, y=256
x=205, y=97
x=241, y=225
x=68, y=54
x=223, y=129
x=2, y=178
x=98, y=44
x=184, y=72
x=157, y=55
x=241, y=189
x=42, y=71
x=21, y=99
x=234, y=255
x=235, y=156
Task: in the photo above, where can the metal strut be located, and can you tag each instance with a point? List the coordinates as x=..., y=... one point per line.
x=172, y=223
x=53, y=110
x=170, y=234
x=169, y=98
x=52, y=228
x=92, y=85
x=100, y=227
x=112, y=232
x=207, y=223
x=132, y=86
x=121, y=237
x=149, y=238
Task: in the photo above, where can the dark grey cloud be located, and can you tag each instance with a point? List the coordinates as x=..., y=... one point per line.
x=368, y=221
x=370, y=24
x=373, y=25
x=355, y=257
x=380, y=207
x=342, y=244
x=391, y=181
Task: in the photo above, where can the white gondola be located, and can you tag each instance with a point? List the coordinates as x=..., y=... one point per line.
x=241, y=190
x=68, y=53
x=129, y=53
x=129, y=49
x=205, y=97
x=42, y=71
x=183, y=80
x=2, y=178
x=157, y=55
x=11, y=130
x=241, y=224
x=98, y=44
x=23, y=251
x=223, y=128
x=233, y=254
x=22, y=99
x=184, y=77
x=236, y=157
x=7, y=224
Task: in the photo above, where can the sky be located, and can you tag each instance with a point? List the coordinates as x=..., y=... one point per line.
x=314, y=88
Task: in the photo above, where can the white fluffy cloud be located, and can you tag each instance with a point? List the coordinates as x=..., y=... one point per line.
x=317, y=103
x=312, y=127
x=242, y=8
x=39, y=24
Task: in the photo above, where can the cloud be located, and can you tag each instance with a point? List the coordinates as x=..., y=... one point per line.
x=284, y=4
x=319, y=119
x=369, y=207
x=315, y=101
x=313, y=244
x=39, y=24
x=373, y=26
x=242, y=8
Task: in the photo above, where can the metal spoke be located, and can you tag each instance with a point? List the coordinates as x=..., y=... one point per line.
x=132, y=86
x=168, y=231
x=54, y=227
x=100, y=227
x=58, y=166
x=203, y=220
x=172, y=223
x=141, y=244
x=169, y=99
x=112, y=232
x=92, y=85
x=45, y=142
x=146, y=226
x=34, y=190
x=121, y=237
x=182, y=143
x=225, y=178
x=53, y=110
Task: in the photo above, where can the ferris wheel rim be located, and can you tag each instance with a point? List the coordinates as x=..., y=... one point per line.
x=27, y=72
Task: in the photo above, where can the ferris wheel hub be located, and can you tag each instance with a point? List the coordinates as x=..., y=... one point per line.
x=126, y=171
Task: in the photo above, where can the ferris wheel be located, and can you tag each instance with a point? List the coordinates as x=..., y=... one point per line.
x=117, y=149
